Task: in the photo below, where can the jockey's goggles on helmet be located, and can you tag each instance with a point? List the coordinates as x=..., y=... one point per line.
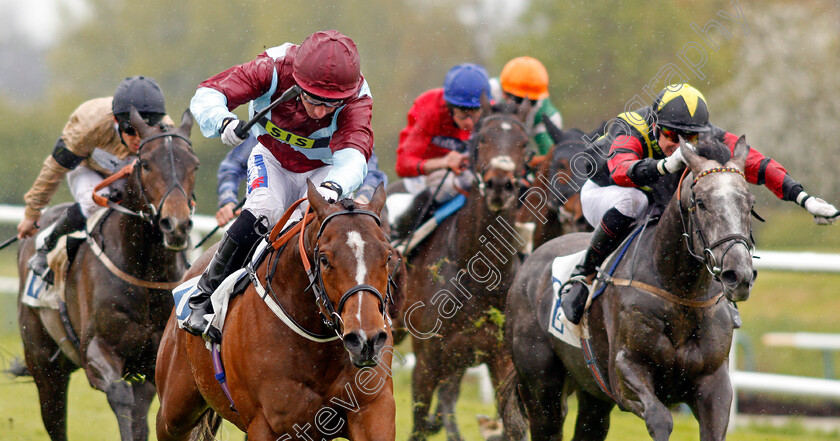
x=320, y=102
x=673, y=135
x=518, y=99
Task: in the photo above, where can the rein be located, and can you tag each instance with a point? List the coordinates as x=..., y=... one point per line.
x=126, y=171
x=332, y=317
x=692, y=225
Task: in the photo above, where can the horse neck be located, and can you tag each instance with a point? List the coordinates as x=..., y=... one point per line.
x=138, y=248
x=290, y=282
x=474, y=221
x=678, y=271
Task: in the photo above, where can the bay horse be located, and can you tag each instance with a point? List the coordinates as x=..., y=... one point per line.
x=326, y=376
x=663, y=339
x=117, y=297
x=458, y=278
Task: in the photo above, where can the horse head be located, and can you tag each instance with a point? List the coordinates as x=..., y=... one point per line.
x=351, y=259
x=162, y=182
x=498, y=153
x=717, y=207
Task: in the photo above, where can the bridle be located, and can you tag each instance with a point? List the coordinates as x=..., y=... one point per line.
x=330, y=314
x=500, y=162
x=150, y=213
x=692, y=225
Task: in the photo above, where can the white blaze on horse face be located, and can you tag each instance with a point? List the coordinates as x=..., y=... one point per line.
x=357, y=244
x=505, y=126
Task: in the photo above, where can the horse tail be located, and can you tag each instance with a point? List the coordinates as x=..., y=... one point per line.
x=207, y=427
x=18, y=369
x=511, y=408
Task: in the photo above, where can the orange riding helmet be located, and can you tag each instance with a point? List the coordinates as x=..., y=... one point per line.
x=525, y=77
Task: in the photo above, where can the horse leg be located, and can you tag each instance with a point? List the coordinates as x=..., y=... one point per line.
x=144, y=393
x=424, y=380
x=103, y=370
x=52, y=376
x=711, y=404
x=376, y=422
x=448, y=392
x=635, y=390
x=181, y=404
x=593, y=418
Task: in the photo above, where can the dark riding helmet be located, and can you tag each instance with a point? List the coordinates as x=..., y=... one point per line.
x=144, y=94
x=327, y=66
x=464, y=84
x=682, y=107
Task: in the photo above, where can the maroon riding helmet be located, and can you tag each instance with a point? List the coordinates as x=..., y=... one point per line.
x=327, y=66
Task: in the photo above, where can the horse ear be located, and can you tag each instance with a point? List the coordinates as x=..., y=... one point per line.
x=138, y=123
x=523, y=110
x=316, y=201
x=554, y=132
x=690, y=155
x=486, y=109
x=378, y=200
x=186, y=123
x=739, y=157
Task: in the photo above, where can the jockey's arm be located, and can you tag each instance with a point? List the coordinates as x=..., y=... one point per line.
x=349, y=170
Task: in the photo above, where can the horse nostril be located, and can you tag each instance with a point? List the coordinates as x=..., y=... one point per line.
x=353, y=342
x=166, y=225
x=729, y=277
x=379, y=341
x=189, y=224
x=509, y=186
x=755, y=275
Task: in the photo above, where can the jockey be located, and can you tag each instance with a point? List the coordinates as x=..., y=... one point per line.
x=234, y=168
x=644, y=146
x=434, y=141
x=526, y=78
x=97, y=142
x=322, y=134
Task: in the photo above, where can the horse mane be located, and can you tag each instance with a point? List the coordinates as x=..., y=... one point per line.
x=712, y=148
x=348, y=204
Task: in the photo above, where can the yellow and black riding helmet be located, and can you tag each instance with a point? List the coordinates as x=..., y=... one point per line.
x=683, y=108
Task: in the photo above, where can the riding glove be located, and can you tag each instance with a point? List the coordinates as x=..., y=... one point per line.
x=671, y=164
x=229, y=137
x=824, y=213
x=328, y=192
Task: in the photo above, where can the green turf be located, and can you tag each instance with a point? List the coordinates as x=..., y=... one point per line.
x=781, y=301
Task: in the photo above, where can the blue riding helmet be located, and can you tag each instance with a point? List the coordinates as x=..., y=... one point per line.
x=464, y=85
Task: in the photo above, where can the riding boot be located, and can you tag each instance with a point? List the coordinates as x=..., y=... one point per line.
x=230, y=256
x=67, y=222
x=609, y=234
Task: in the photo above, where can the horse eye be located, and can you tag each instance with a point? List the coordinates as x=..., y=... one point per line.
x=145, y=165
x=323, y=261
x=700, y=204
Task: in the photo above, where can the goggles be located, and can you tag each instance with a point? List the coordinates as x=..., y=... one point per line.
x=127, y=128
x=674, y=135
x=318, y=102
x=518, y=99
x=462, y=114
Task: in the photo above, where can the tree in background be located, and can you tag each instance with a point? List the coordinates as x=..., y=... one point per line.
x=785, y=91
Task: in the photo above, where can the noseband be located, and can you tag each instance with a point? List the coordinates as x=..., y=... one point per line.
x=152, y=215
x=693, y=225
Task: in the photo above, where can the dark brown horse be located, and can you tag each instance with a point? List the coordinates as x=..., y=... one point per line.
x=552, y=203
x=119, y=318
x=287, y=381
x=458, y=277
x=662, y=340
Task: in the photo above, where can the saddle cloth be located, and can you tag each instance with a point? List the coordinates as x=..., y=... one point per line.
x=37, y=293
x=558, y=325
x=220, y=298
